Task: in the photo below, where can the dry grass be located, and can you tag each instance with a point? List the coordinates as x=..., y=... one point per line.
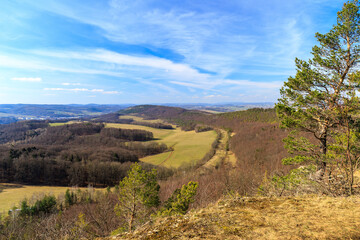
x=262, y=218
x=64, y=123
x=222, y=154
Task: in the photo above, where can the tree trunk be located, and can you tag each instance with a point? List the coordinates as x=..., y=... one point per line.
x=322, y=165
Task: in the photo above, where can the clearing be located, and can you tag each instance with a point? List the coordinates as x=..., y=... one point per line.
x=12, y=194
x=189, y=147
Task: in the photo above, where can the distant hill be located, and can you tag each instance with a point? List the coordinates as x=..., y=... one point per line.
x=13, y=112
x=154, y=111
x=222, y=107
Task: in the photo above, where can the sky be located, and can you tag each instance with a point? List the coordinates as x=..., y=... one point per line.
x=154, y=51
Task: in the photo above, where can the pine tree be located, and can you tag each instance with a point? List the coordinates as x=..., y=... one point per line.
x=179, y=201
x=321, y=99
x=138, y=193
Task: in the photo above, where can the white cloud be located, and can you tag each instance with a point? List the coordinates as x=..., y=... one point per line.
x=27, y=79
x=70, y=84
x=247, y=83
x=102, y=91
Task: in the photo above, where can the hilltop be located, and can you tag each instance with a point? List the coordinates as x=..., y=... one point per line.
x=309, y=217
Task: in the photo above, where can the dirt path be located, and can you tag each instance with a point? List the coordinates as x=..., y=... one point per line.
x=222, y=155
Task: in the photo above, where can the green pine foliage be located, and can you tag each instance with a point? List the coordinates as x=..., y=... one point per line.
x=70, y=198
x=45, y=205
x=321, y=98
x=138, y=193
x=180, y=200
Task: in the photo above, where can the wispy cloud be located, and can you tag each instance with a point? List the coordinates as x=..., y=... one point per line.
x=27, y=79
x=247, y=83
x=152, y=50
x=71, y=84
x=102, y=91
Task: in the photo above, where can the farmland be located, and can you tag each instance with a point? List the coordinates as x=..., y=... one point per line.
x=188, y=147
x=12, y=194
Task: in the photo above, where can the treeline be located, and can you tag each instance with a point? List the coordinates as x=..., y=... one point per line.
x=115, y=118
x=153, y=111
x=267, y=115
x=21, y=130
x=7, y=120
x=153, y=125
x=93, y=214
x=74, y=154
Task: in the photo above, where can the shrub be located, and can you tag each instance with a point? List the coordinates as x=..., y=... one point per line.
x=180, y=200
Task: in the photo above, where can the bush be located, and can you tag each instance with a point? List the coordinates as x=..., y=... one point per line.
x=45, y=205
x=180, y=200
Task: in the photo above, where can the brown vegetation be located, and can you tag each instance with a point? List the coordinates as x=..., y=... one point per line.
x=260, y=218
x=73, y=154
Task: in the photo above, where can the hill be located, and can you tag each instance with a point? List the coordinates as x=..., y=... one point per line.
x=309, y=217
x=256, y=139
x=13, y=112
x=154, y=111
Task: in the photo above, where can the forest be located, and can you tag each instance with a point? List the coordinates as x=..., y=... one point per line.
x=71, y=154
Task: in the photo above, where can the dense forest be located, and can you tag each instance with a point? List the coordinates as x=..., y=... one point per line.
x=72, y=154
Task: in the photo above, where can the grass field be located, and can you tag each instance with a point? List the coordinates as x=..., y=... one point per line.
x=140, y=119
x=12, y=194
x=189, y=147
x=63, y=123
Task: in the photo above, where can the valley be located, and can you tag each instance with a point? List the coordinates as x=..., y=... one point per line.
x=187, y=147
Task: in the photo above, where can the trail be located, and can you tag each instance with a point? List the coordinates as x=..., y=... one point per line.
x=222, y=155
x=168, y=157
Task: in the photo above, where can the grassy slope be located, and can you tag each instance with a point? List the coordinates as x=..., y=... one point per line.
x=140, y=119
x=12, y=194
x=188, y=146
x=62, y=123
x=262, y=218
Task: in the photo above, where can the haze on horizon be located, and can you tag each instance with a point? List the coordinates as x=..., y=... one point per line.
x=147, y=51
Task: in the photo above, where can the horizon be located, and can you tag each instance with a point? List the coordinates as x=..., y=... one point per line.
x=141, y=52
x=154, y=104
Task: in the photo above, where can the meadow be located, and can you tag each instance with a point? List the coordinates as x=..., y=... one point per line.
x=62, y=123
x=12, y=194
x=188, y=147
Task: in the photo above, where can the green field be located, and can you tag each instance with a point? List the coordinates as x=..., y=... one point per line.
x=63, y=123
x=189, y=147
x=13, y=194
x=140, y=119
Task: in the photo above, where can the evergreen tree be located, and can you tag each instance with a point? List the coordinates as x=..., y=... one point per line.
x=138, y=193
x=321, y=99
x=180, y=200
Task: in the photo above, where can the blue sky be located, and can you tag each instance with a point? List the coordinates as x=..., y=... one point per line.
x=145, y=51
